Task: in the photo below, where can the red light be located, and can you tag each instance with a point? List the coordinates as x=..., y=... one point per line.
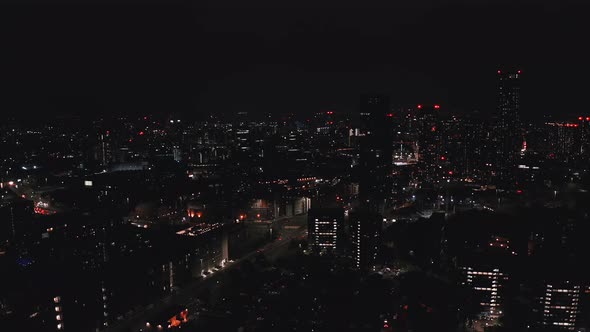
x=130, y=140
x=588, y=118
x=580, y=118
x=390, y=115
x=519, y=71
x=330, y=112
x=145, y=117
x=436, y=106
x=108, y=132
x=385, y=326
x=433, y=128
x=499, y=72
x=443, y=158
x=450, y=172
x=419, y=107
x=141, y=133
x=519, y=191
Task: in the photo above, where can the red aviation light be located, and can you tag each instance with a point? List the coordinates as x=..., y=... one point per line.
x=436, y=106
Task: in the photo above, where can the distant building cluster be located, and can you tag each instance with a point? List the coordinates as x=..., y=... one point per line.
x=105, y=214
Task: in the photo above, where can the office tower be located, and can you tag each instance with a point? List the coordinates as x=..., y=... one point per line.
x=104, y=149
x=583, y=146
x=324, y=227
x=243, y=135
x=366, y=236
x=375, y=160
x=508, y=129
x=564, y=139
x=560, y=305
x=430, y=146
x=488, y=284
x=488, y=271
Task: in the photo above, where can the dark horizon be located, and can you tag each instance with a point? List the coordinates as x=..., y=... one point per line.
x=299, y=57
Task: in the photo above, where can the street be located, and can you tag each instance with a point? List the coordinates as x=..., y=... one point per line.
x=296, y=228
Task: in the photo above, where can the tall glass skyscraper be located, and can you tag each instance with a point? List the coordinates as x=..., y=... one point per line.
x=508, y=129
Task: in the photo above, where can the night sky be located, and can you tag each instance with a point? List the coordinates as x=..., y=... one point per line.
x=288, y=56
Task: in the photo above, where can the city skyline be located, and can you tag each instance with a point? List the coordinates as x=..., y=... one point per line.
x=407, y=166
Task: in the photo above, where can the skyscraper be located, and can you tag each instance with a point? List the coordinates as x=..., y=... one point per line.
x=366, y=235
x=508, y=130
x=430, y=147
x=375, y=147
x=375, y=159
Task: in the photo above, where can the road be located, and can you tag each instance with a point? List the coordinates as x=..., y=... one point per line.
x=296, y=229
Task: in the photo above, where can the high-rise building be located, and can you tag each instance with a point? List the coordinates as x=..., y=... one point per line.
x=430, y=148
x=376, y=149
x=104, y=149
x=489, y=271
x=16, y=214
x=324, y=228
x=366, y=236
x=508, y=129
x=583, y=145
x=564, y=139
x=488, y=285
x=560, y=305
x=375, y=160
